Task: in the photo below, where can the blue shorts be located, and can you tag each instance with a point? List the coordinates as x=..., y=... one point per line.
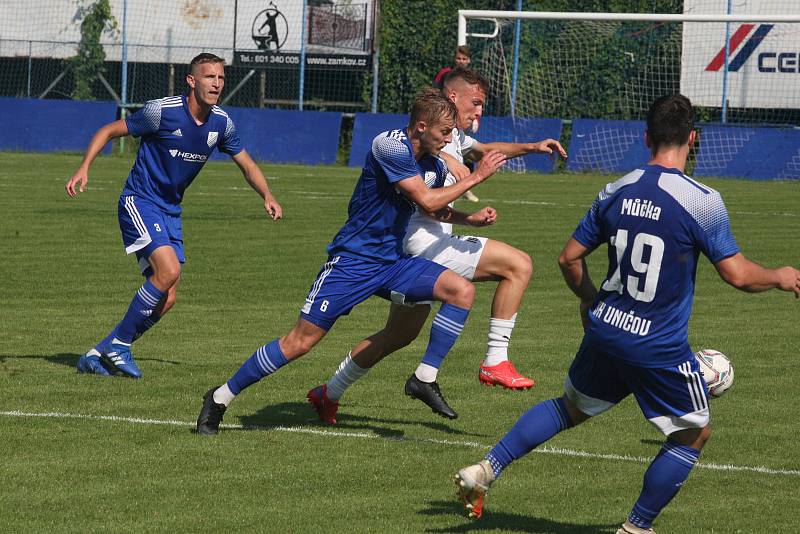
x=672, y=398
x=145, y=227
x=344, y=282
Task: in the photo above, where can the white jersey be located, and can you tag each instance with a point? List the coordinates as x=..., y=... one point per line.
x=422, y=230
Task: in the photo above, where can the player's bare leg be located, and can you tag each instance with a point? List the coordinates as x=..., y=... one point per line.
x=664, y=477
x=513, y=268
x=113, y=354
x=402, y=327
x=301, y=339
x=264, y=361
x=534, y=427
x=457, y=296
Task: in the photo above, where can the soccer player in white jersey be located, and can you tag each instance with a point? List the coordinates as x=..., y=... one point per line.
x=655, y=221
x=366, y=256
x=476, y=258
x=178, y=134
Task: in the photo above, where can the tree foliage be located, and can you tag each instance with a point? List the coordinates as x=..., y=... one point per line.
x=96, y=18
x=417, y=38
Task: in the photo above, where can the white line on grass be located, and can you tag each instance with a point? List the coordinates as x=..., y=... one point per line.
x=360, y=435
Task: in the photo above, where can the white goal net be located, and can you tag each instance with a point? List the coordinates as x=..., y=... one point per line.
x=576, y=66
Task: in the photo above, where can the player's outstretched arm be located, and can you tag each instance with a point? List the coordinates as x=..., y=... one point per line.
x=572, y=262
x=433, y=200
x=253, y=175
x=102, y=136
x=749, y=276
x=513, y=150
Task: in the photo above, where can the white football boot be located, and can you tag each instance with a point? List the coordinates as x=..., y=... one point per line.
x=473, y=483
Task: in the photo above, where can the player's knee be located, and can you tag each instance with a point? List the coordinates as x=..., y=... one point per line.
x=298, y=347
x=464, y=294
x=395, y=341
x=702, y=439
x=692, y=437
x=167, y=277
x=523, y=266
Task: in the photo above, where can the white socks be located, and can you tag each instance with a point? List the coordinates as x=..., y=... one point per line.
x=224, y=395
x=426, y=373
x=347, y=373
x=499, y=336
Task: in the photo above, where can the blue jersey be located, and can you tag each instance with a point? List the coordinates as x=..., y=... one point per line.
x=378, y=213
x=174, y=148
x=656, y=222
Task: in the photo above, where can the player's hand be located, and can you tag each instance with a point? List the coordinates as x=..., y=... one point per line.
x=489, y=163
x=80, y=177
x=273, y=209
x=789, y=280
x=550, y=146
x=484, y=217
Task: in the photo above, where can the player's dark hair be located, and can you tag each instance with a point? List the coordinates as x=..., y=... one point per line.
x=468, y=76
x=205, y=57
x=431, y=107
x=670, y=120
x=464, y=51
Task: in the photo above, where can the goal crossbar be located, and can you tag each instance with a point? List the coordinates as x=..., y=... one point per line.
x=464, y=14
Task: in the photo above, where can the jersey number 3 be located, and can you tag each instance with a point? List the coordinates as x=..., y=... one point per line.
x=650, y=269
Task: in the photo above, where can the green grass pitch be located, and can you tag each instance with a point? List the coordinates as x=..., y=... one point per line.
x=85, y=453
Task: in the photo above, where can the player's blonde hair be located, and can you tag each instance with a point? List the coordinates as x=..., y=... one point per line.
x=431, y=107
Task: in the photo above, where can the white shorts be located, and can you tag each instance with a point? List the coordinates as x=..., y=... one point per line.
x=458, y=253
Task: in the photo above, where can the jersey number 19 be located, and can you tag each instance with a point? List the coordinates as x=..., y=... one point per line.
x=650, y=269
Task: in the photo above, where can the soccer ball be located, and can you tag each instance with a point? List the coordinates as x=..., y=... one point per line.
x=717, y=371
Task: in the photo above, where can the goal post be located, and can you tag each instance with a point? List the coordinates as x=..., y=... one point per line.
x=738, y=70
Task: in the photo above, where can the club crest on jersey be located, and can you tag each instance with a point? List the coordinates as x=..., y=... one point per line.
x=212, y=138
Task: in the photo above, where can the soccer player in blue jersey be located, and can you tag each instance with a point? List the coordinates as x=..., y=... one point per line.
x=478, y=259
x=178, y=134
x=656, y=221
x=366, y=256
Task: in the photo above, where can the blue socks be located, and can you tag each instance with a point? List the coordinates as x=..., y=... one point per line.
x=140, y=316
x=662, y=480
x=264, y=361
x=446, y=327
x=536, y=426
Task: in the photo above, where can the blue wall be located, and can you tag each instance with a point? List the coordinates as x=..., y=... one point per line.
x=312, y=137
x=752, y=153
x=287, y=136
x=607, y=146
x=34, y=125
x=522, y=130
x=365, y=127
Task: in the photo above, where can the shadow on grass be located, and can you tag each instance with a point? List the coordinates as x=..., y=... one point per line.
x=507, y=522
x=302, y=413
x=70, y=359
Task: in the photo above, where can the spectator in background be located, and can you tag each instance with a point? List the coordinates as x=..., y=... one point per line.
x=462, y=59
